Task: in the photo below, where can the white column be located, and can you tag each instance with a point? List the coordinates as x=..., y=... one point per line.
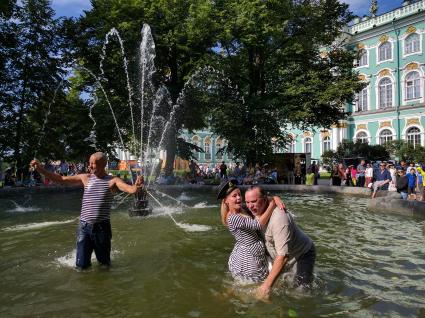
x=335, y=138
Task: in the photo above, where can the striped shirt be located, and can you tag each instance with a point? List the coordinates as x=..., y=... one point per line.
x=97, y=200
x=248, y=258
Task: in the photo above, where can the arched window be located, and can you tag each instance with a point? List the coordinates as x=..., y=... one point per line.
x=384, y=52
x=413, y=136
x=362, y=100
x=385, y=88
x=362, y=137
x=362, y=57
x=412, y=44
x=195, y=141
x=218, y=146
x=307, y=145
x=326, y=144
x=413, y=86
x=291, y=148
x=207, y=148
x=385, y=136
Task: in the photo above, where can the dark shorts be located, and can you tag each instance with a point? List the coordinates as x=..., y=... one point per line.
x=305, y=265
x=411, y=190
x=93, y=237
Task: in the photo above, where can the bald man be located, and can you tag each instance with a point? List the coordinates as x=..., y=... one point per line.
x=94, y=229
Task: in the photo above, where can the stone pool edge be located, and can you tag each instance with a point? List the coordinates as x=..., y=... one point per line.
x=386, y=202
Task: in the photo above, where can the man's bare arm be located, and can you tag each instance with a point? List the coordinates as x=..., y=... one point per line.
x=278, y=264
x=76, y=180
x=124, y=187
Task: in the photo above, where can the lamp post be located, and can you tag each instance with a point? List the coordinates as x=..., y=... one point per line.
x=397, y=33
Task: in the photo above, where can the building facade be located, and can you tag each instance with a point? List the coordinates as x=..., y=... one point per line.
x=392, y=63
x=391, y=107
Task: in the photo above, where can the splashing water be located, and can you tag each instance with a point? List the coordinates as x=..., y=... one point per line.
x=22, y=208
x=194, y=227
x=35, y=226
x=46, y=117
x=68, y=260
x=184, y=226
x=204, y=205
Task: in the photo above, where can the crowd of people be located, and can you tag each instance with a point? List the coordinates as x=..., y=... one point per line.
x=241, y=173
x=406, y=178
x=17, y=177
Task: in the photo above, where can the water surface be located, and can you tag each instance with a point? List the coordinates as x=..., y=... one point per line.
x=368, y=264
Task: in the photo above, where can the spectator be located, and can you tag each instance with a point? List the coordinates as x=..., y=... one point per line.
x=383, y=178
x=393, y=183
x=310, y=177
x=335, y=176
x=421, y=170
x=411, y=177
x=411, y=165
x=403, y=165
x=368, y=174
x=419, y=184
x=353, y=173
x=402, y=184
x=361, y=169
x=314, y=168
x=223, y=170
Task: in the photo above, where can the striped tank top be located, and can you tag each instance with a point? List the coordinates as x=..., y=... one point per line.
x=97, y=200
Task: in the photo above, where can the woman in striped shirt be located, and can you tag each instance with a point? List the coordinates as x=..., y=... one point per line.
x=248, y=258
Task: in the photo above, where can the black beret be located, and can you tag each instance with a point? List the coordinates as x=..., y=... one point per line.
x=225, y=188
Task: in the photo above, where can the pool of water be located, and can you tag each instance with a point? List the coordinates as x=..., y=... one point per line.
x=368, y=265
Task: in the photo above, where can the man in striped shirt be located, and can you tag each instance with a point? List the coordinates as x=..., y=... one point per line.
x=287, y=245
x=94, y=229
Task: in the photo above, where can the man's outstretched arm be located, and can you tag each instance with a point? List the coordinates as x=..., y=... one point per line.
x=124, y=187
x=76, y=180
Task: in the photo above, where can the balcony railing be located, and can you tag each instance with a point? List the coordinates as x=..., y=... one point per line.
x=388, y=17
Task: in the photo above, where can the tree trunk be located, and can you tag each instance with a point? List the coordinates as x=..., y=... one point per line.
x=172, y=135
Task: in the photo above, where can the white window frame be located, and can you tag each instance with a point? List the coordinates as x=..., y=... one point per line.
x=360, y=100
x=362, y=132
x=378, y=61
x=310, y=143
x=405, y=38
x=378, y=95
x=326, y=141
x=218, y=144
x=207, y=150
x=379, y=135
x=416, y=84
x=365, y=56
x=198, y=143
x=406, y=135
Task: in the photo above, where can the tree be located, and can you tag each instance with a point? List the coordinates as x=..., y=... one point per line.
x=350, y=149
x=272, y=54
x=183, y=34
x=402, y=150
x=33, y=72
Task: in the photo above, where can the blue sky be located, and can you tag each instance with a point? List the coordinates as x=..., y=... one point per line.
x=360, y=7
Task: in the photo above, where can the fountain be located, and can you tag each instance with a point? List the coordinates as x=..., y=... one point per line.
x=155, y=105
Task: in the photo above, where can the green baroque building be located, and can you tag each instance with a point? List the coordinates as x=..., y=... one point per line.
x=391, y=61
x=391, y=107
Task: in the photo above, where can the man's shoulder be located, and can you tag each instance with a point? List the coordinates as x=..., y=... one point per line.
x=278, y=218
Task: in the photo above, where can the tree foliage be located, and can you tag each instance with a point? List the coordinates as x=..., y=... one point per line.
x=350, y=149
x=402, y=150
x=272, y=54
x=183, y=33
